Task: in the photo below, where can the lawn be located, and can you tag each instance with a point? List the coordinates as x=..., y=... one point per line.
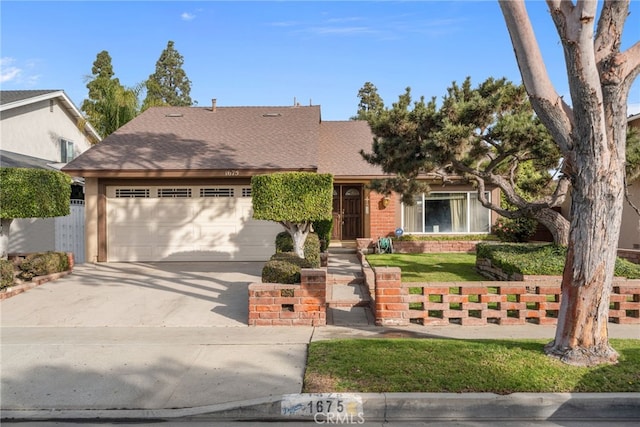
x=430, y=267
x=446, y=365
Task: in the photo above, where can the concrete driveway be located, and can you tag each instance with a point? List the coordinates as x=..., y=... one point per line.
x=182, y=294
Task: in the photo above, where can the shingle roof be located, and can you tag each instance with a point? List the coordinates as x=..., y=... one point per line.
x=10, y=159
x=243, y=138
x=340, y=145
x=8, y=96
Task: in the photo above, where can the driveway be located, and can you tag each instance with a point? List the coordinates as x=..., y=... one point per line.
x=184, y=294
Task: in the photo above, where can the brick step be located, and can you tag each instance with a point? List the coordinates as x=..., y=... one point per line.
x=349, y=295
x=345, y=279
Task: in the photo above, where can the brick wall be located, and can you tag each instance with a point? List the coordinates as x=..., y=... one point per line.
x=304, y=304
x=479, y=303
x=424, y=246
x=383, y=218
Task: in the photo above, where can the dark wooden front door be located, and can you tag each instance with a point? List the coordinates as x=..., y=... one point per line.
x=347, y=212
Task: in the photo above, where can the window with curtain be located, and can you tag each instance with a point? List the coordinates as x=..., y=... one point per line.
x=455, y=212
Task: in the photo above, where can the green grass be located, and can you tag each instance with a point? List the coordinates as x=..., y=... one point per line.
x=445, y=365
x=430, y=267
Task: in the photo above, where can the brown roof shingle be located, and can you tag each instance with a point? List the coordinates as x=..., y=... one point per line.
x=239, y=138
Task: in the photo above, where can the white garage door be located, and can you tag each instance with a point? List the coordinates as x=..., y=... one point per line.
x=196, y=223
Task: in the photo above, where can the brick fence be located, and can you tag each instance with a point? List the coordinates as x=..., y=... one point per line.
x=480, y=303
x=304, y=304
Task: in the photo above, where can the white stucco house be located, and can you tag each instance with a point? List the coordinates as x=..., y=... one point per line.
x=44, y=129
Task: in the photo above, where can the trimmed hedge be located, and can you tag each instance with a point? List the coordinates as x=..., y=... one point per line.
x=323, y=229
x=6, y=273
x=33, y=193
x=284, y=243
x=540, y=259
x=41, y=264
x=284, y=267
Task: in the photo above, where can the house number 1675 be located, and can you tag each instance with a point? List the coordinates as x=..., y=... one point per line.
x=232, y=173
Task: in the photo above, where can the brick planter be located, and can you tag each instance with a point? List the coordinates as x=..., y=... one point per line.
x=304, y=304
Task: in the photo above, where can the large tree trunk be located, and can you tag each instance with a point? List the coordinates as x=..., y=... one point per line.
x=596, y=214
x=5, y=225
x=591, y=134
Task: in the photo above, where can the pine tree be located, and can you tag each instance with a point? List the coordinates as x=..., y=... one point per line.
x=169, y=84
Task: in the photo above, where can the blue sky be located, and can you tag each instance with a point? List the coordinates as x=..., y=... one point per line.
x=268, y=53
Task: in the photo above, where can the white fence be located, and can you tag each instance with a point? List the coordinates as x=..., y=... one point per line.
x=70, y=231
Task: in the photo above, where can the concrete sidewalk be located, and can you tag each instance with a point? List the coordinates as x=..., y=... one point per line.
x=61, y=370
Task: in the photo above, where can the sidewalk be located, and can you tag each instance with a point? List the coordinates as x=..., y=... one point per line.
x=242, y=373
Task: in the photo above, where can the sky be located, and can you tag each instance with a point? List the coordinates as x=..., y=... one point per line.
x=274, y=53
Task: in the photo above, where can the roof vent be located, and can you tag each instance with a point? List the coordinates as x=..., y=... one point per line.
x=271, y=115
x=173, y=115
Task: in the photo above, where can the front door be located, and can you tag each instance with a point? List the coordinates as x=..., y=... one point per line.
x=347, y=212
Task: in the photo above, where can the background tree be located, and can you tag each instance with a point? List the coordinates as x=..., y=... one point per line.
x=169, y=84
x=295, y=200
x=371, y=104
x=30, y=193
x=591, y=136
x=488, y=134
x=109, y=105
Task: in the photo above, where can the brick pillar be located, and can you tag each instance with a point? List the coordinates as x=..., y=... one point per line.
x=313, y=296
x=391, y=307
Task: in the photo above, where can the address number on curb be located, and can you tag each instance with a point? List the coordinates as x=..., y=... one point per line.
x=330, y=403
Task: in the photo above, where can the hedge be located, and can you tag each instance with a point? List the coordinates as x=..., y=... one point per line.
x=284, y=267
x=292, y=196
x=33, y=193
x=6, y=273
x=41, y=264
x=284, y=243
x=540, y=259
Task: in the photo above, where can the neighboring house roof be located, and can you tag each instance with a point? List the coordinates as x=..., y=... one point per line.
x=198, y=139
x=15, y=160
x=10, y=99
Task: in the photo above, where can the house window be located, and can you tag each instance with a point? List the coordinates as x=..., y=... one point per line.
x=458, y=212
x=66, y=151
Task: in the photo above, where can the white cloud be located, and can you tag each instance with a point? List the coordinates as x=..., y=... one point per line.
x=8, y=71
x=186, y=16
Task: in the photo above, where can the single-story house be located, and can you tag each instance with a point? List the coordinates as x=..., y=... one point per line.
x=630, y=229
x=43, y=129
x=175, y=184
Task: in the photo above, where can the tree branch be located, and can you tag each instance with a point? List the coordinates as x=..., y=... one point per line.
x=609, y=29
x=550, y=107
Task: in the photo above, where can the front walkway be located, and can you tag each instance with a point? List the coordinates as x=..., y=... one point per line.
x=348, y=299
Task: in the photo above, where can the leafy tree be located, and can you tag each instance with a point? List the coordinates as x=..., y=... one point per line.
x=169, y=84
x=295, y=200
x=488, y=134
x=110, y=105
x=30, y=193
x=591, y=136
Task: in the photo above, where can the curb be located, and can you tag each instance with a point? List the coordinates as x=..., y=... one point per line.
x=379, y=406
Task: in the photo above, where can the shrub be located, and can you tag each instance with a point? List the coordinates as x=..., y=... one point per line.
x=323, y=229
x=537, y=259
x=284, y=267
x=6, y=273
x=41, y=264
x=284, y=243
x=515, y=230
